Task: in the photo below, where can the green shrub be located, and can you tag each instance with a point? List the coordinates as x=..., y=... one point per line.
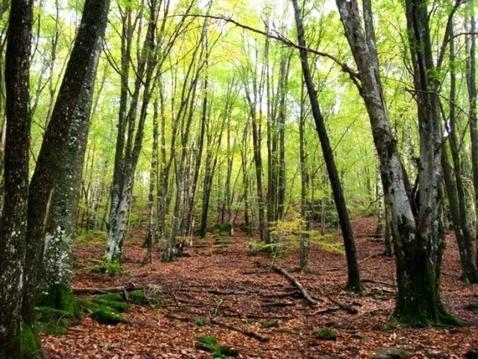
x=111, y=268
x=50, y=328
x=256, y=247
x=199, y=322
x=222, y=229
x=222, y=242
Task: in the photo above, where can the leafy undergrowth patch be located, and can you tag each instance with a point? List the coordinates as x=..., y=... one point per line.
x=221, y=291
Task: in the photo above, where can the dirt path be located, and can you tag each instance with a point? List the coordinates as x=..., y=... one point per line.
x=224, y=284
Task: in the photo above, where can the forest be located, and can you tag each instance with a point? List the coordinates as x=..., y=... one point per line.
x=238, y=179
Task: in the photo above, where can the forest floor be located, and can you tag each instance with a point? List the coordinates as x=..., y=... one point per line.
x=221, y=289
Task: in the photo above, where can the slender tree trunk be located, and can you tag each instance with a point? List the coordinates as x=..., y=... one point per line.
x=304, y=206
x=351, y=255
x=153, y=174
x=455, y=187
x=127, y=157
x=472, y=96
x=14, y=216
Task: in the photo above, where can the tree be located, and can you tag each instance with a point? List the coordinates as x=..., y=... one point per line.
x=13, y=226
x=418, y=302
x=70, y=113
x=63, y=207
x=351, y=255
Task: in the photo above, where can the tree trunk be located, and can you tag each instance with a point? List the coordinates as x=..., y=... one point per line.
x=304, y=175
x=16, y=156
x=52, y=157
x=418, y=302
x=351, y=255
x=472, y=95
x=128, y=151
x=63, y=207
x=455, y=187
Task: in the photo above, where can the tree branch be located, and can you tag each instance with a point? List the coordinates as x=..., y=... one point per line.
x=354, y=75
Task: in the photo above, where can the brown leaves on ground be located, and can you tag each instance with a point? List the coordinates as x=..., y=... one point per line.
x=221, y=290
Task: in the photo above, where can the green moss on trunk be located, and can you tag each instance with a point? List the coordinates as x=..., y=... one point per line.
x=30, y=343
x=58, y=296
x=418, y=302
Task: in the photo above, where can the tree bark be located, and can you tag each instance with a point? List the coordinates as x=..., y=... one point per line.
x=350, y=251
x=16, y=156
x=418, y=302
x=455, y=187
x=51, y=163
x=63, y=208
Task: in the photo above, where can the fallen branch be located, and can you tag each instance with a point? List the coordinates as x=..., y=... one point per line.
x=296, y=283
x=277, y=304
x=246, y=332
x=97, y=290
x=347, y=308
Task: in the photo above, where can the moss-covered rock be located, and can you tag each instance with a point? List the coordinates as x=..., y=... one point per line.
x=114, y=297
x=138, y=297
x=269, y=324
x=106, y=315
x=120, y=307
x=391, y=353
x=325, y=334
x=210, y=344
x=30, y=343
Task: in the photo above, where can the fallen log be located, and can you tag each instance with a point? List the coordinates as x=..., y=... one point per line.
x=97, y=290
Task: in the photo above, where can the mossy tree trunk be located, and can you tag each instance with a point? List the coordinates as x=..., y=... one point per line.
x=417, y=232
x=61, y=131
x=62, y=217
x=13, y=223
